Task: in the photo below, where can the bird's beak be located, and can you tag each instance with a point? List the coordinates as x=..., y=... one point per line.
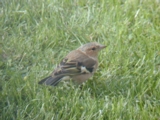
x=102, y=46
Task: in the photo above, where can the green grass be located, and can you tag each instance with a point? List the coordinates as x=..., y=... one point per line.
x=36, y=34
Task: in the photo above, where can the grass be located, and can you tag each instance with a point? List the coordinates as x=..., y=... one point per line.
x=36, y=34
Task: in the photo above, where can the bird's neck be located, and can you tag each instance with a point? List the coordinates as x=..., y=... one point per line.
x=95, y=57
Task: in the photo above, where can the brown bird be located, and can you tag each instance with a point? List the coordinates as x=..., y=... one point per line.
x=79, y=65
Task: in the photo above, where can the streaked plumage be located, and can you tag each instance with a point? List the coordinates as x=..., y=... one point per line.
x=79, y=65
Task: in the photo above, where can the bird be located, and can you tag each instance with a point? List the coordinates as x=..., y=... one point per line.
x=79, y=65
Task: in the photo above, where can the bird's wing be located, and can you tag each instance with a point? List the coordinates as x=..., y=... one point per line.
x=75, y=63
x=70, y=66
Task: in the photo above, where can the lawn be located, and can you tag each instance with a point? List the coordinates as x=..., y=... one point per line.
x=36, y=34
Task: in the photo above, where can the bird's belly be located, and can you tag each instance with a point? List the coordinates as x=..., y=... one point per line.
x=79, y=79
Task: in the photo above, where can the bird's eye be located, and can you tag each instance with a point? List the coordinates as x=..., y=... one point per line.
x=93, y=48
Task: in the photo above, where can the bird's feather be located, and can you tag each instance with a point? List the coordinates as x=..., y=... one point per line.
x=51, y=80
x=71, y=67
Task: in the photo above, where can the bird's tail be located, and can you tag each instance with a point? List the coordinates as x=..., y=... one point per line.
x=51, y=80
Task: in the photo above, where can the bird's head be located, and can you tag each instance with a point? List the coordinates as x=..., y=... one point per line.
x=92, y=48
